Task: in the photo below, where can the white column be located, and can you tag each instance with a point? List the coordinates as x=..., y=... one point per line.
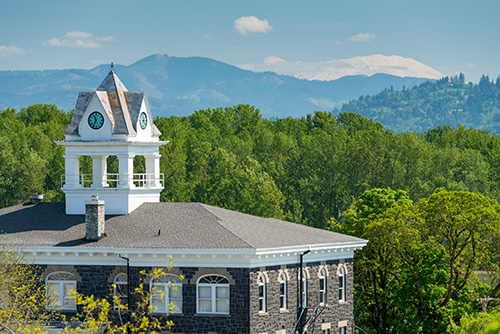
x=72, y=171
x=153, y=170
x=125, y=170
x=99, y=171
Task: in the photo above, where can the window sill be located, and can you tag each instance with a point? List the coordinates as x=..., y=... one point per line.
x=211, y=315
x=263, y=314
x=164, y=313
x=284, y=310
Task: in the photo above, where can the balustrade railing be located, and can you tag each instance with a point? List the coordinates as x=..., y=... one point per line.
x=112, y=180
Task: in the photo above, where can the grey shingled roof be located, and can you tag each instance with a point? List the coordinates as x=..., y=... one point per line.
x=122, y=106
x=182, y=226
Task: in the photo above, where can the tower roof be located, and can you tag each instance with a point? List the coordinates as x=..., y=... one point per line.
x=121, y=106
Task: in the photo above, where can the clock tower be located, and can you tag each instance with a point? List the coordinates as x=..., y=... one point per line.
x=111, y=121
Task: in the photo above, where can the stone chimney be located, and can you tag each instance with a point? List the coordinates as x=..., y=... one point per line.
x=94, y=219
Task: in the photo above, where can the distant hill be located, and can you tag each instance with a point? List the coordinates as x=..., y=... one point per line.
x=178, y=86
x=448, y=101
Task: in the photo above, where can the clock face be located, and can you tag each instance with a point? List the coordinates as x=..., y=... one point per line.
x=96, y=120
x=143, y=120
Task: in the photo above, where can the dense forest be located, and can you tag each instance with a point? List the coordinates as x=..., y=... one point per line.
x=449, y=101
x=306, y=170
x=333, y=172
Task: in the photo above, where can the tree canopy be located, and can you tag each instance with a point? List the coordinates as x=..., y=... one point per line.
x=418, y=271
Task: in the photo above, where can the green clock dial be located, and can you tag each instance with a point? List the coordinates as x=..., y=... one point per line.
x=96, y=120
x=143, y=120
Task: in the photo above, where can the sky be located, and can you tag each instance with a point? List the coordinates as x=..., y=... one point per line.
x=448, y=36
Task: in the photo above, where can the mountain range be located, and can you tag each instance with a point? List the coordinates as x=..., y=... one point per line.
x=181, y=85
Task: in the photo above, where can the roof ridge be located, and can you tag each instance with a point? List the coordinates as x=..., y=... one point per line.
x=204, y=206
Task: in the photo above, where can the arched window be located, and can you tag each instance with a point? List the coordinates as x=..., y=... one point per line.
x=262, y=294
x=304, y=288
x=166, y=290
x=322, y=287
x=212, y=294
x=59, y=286
x=282, y=291
x=120, y=290
x=341, y=274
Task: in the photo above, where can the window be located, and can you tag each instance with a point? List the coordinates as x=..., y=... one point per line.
x=304, y=288
x=326, y=331
x=120, y=289
x=164, y=291
x=262, y=294
x=213, y=294
x=282, y=291
x=322, y=287
x=343, y=330
x=341, y=275
x=59, y=286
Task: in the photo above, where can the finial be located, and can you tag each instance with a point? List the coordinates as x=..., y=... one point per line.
x=111, y=66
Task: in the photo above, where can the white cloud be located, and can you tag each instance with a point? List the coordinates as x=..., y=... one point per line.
x=249, y=24
x=107, y=39
x=334, y=69
x=10, y=51
x=78, y=39
x=361, y=37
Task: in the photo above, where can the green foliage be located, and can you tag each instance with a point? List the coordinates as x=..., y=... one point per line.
x=22, y=294
x=306, y=170
x=488, y=323
x=449, y=101
x=30, y=161
x=94, y=315
x=417, y=273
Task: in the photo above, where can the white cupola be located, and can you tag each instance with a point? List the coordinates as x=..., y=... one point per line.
x=111, y=121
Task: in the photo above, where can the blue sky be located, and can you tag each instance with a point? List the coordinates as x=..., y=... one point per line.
x=449, y=36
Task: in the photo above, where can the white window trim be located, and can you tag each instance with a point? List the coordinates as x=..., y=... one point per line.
x=342, y=289
x=322, y=293
x=213, y=295
x=61, y=284
x=166, y=298
x=116, y=282
x=304, y=288
x=262, y=283
x=282, y=280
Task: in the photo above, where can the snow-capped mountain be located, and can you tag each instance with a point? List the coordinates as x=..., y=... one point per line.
x=334, y=69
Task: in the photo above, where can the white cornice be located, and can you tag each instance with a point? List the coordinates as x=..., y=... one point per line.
x=228, y=258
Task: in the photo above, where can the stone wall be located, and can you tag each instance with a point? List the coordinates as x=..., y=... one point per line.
x=244, y=317
x=97, y=280
x=329, y=316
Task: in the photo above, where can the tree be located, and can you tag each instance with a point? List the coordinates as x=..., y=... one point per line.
x=95, y=314
x=438, y=244
x=481, y=322
x=417, y=272
x=376, y=308
x=22, y=293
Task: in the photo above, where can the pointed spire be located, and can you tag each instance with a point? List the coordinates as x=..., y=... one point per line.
x=112, y=82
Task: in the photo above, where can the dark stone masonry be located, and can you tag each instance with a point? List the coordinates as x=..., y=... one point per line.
x=244, y=316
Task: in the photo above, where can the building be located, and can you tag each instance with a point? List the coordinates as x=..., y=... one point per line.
x=241, y=273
